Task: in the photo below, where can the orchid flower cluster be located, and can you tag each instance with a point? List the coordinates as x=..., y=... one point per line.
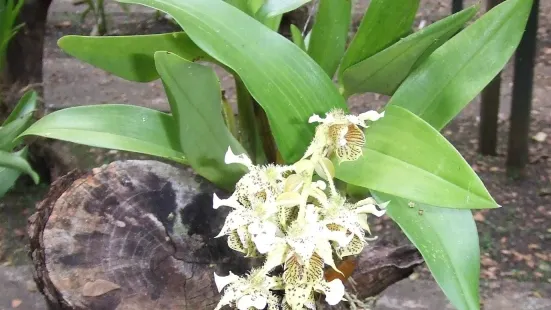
x=295, y=218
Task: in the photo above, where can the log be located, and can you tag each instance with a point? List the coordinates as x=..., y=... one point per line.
x=140, y=235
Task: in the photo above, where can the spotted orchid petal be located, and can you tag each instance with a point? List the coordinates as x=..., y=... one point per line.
x=315, y=119
x=324, y=250
x=231, y=158
x=236, y=219
x=229, y=202
x=320, y=184
x=263, y=235
x=334, y=291
x=372, y=209
x=277, y=255
x=370, y=116
x=252, y=301
x=368, y=200
x=340, y=237
x=223, y=281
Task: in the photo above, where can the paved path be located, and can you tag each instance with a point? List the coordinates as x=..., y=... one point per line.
x=18, y=290
x=426, y=295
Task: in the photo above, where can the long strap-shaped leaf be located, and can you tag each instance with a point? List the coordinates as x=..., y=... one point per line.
x=457, y=71
x=193, y=91
x=15, y=161
x=448, y=238
x=448, y=241
x=130, y=57
x=287, y=83
x=384, y=23
x=8, y=176
x=18, y=120
x=25, y=106
x=330, y=33
x=406, y=157
x=383, y=72
x=278, y=7
x=114, y=126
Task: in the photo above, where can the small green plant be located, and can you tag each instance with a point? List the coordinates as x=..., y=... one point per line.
x=97, y=8
x=13, y=163
x=296, y=204
x=9, y=10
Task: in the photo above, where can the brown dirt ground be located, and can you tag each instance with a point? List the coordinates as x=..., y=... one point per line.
x=515, y=240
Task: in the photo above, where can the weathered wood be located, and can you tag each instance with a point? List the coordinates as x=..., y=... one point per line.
x=382, y=265
x=140, y=235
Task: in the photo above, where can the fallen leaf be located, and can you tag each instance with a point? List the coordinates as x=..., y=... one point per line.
x=533, y=246
x=16, y=303
x=486, y=261
x=64, y=24
x=540, y=136
x=98, y=288
x=490, y=273
x=479, y=217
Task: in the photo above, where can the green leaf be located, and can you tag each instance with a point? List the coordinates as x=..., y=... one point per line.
x=296, y=35
x=384, y=23
x=330, y=33
x=249, y=131
x=15, y=161
x=278, y=7
x=9, y=10
x=25, y=106
x=19, y=120
x=273, y=22
x=288, y=84
x=130, y=57
x=384, y=72
x=193, y=91
x=448, y=241
x=248, y=6
x=8, y=176
x=113, y=126
x=242, y=5
x=456, y=72
x=406, y=157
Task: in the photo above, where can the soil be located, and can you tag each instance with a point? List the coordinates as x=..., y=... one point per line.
x=515, y=240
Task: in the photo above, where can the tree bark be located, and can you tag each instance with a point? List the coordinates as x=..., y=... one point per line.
x=140, y=235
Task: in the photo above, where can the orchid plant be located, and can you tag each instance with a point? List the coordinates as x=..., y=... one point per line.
x=293, y=183
x=284, y=213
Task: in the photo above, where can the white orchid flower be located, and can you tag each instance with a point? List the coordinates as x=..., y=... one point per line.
x=252, y=291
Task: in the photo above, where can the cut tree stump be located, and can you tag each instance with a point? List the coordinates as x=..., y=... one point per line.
x=140, y=235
